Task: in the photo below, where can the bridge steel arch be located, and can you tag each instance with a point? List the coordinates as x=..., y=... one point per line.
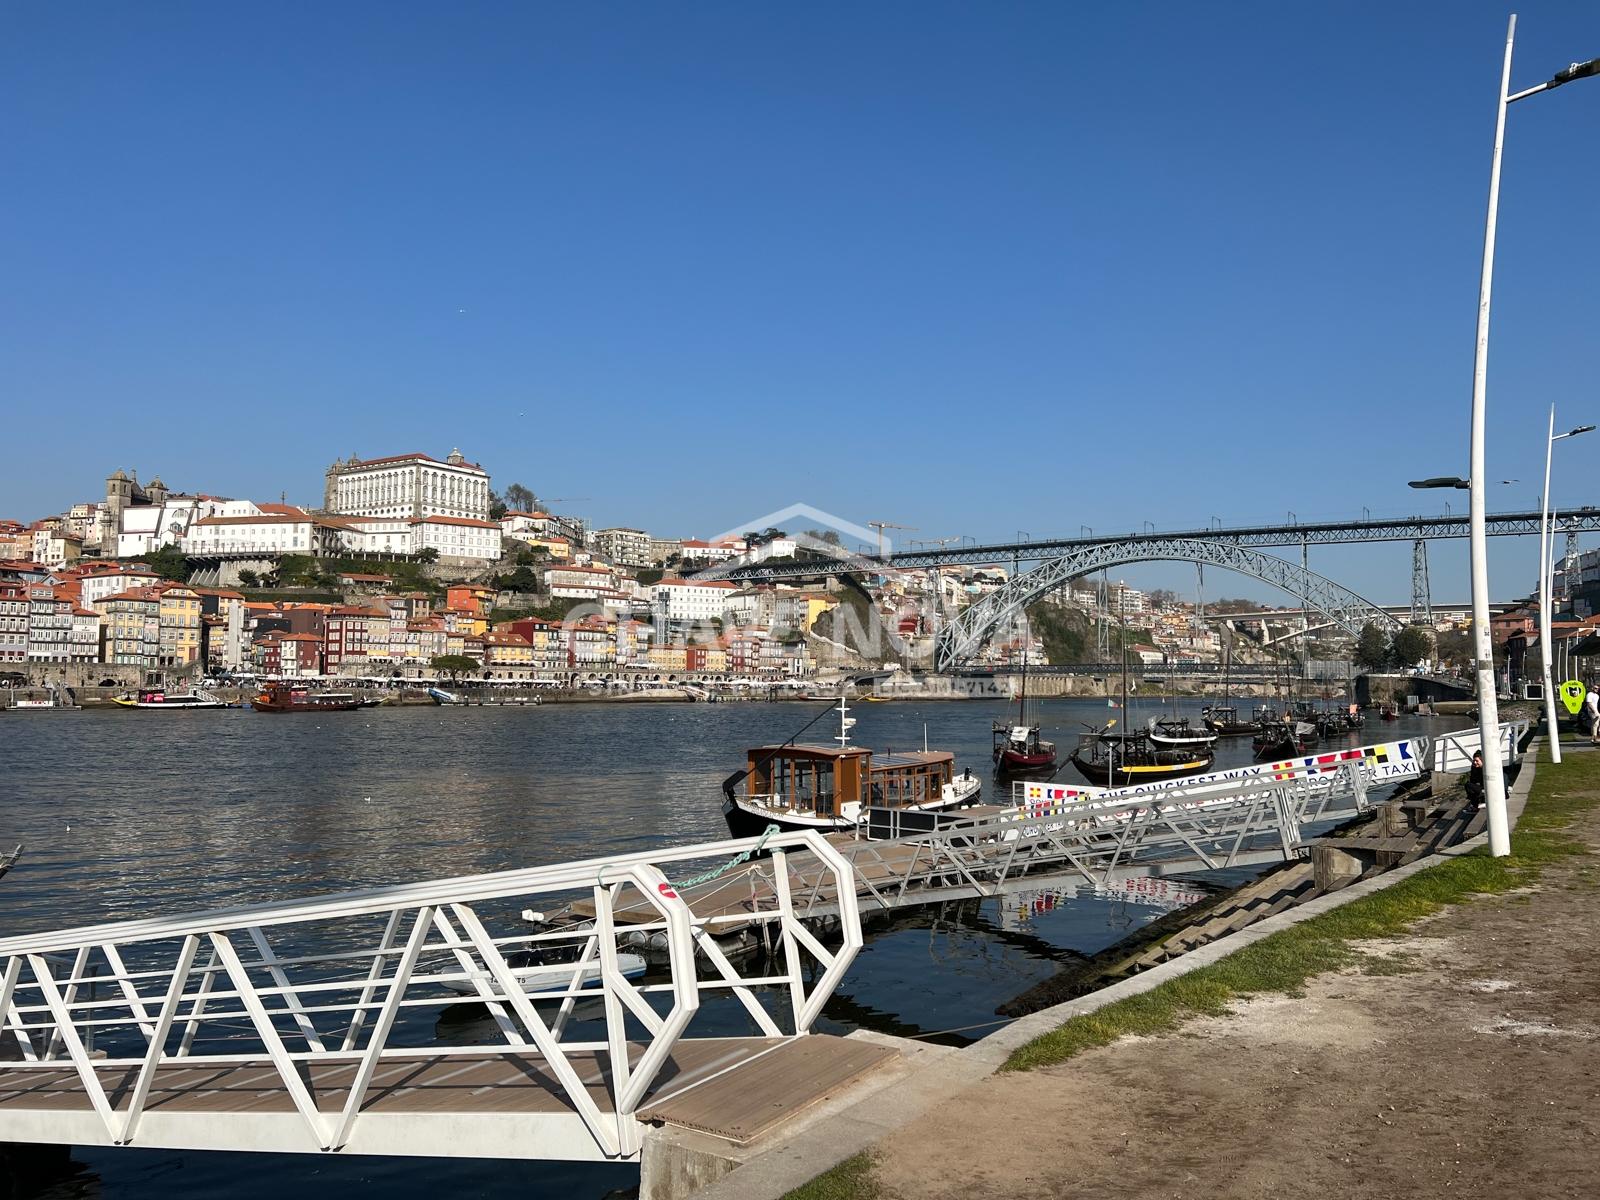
x=964, y=637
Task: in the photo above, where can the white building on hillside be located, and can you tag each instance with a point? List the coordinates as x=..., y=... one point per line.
x=258, y=533
x=457, y=537
x=415, y=486
x=692, y=599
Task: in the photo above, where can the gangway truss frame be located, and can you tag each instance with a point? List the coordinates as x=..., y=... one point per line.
x=156, y=995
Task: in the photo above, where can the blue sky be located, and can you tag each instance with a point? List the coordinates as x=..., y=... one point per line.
x=971, y=268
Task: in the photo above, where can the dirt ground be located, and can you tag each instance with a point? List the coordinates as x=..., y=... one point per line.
x=1476, y=1073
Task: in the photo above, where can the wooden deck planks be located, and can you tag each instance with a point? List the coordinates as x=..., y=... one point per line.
x=512, y=1081
x=742, y=1104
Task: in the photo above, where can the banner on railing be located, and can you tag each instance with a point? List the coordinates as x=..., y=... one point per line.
x=1385, y=762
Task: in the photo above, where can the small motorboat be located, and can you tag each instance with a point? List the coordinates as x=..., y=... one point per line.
x=538, y=977
x=9, y=860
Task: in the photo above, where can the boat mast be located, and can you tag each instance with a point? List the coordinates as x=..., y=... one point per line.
x=845, y=719
x=1022, y=698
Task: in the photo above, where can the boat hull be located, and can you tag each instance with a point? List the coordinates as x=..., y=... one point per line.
x=1014, y=762
x=170, y=705
x=1106, y=775
x=752, y=821
x=285, y=706
x=747, y=820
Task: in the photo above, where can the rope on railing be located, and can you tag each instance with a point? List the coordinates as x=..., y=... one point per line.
x=742, y=857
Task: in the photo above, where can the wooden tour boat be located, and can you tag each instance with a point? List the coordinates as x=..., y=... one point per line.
x=1223, y=721
x=1133, y=757
x=798, y=786
x=1018, y=748
x=296, y=697
x=1118, y=762
x=1284, y=739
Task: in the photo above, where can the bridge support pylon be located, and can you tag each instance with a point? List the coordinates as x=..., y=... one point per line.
x=1421, y=595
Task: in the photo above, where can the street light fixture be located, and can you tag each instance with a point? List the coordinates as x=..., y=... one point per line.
x=1494, y=788
x=1545, y=574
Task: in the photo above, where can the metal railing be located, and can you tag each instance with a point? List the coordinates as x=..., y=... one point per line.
x=1247, y=816
x=327, y=980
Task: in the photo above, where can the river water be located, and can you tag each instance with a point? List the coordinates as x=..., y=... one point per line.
x=138, y=814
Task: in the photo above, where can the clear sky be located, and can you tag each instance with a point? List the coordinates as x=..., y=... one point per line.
x=974, y=268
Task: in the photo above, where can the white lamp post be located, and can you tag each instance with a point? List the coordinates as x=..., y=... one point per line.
x=1494, y=791
x=1545, y=574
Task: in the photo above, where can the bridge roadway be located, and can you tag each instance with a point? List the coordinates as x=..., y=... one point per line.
x=310, y=1026
x=1313, y=533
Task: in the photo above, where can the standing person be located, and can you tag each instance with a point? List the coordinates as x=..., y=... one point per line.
x=1591, y=712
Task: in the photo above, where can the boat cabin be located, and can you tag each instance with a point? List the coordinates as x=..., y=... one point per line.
x=831, y=781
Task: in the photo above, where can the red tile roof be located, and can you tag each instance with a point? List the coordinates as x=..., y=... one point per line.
x=456, y=521
x=400, y=458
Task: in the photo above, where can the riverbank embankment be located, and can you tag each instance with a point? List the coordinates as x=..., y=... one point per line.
x=1434, y=1034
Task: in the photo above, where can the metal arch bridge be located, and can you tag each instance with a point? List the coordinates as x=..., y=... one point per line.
x=1317, y=533
x=966, y=634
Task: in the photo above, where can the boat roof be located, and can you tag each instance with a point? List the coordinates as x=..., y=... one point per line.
x=886, y=759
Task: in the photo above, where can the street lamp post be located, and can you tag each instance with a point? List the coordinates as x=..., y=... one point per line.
x=1494, y=790
x=1545, y=574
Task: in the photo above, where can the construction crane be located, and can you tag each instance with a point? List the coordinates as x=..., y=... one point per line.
x=880, y=526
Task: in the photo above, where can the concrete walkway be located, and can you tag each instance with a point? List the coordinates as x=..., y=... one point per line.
x=929, y=1131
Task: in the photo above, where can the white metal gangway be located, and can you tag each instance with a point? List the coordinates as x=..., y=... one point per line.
x=1248, y=816
x=310, y=1026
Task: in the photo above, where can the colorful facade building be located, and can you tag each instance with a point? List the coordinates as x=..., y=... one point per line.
x=132, y=622
x=179, y=616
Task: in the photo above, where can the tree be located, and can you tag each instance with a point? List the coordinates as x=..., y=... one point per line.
x=1454, y=649
x=249, y=578
x=520, y=580
x=520, y=499
x=453, y=665
x=169, y=562
x=428, y=554
x=497, y=507
x=1412, y=646
x=1372, y=647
